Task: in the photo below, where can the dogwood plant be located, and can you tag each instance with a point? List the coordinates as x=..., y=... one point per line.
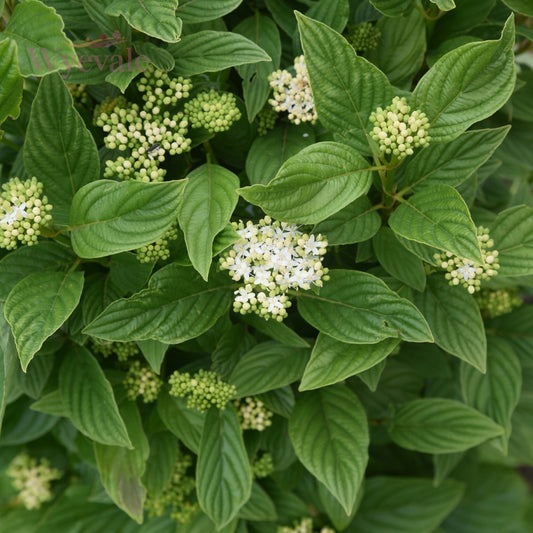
x=266, y=266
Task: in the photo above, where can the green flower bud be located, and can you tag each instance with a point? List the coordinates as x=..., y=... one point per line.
x=263, y=466
x=158, y=249
x=266, y=119
x=122, y=350
x=363, y=37
x=213, y=111
x=142, y=381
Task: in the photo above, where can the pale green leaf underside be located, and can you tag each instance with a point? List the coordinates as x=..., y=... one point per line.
x=438, y=217
x=313, y=184
x=38, y=305
x=358, y=308
x=109, y=217
x=10, y=81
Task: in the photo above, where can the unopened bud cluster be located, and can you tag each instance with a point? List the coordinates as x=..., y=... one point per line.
x=292, y=93
x=145, y=137
x=270, y=258
x=253, y=414
x=142, y=381
x=178, y=497
x=467, y=273
x=32, y=478
x=212, y=110
x=266, y=119
x=158, y=89
x=202, y=390
x=397, y=130
x=305, y=525
x=79, y=92
x=498, y=302
x=263, y=466
x=24, y=211
x=363, y=37
x=122, y=350
x=158, y=249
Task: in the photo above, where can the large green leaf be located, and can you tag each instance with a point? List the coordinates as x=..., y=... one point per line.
x=223, y=474
x=59, y=149
x=153, y=17
x=88, y=398
x=194, y=11
x=109, y=217
x=438, y=217
x=8, y=363
x=259, y=507
x=38, y=32
x=208, y=202
x=38, y=305
x=333, y=361
x=512, y=231
x=177, y=305
x=451, y=163
x=263, y=31
x=329, y=432
x=186, y=423
x=497, y=392
x=160, y=465
x=268, y=366
x=467, y=85
x=121, y=469
x=392, y=8
x=312, y=185
x=10, y=81
x=209, y=51
x=45, y=255
x=440, y=425
x=398, y=261
x=404, y=505
x=455, y=321
x=356, y=307
x=524, y=7
x=346, y=87
x=356, y=222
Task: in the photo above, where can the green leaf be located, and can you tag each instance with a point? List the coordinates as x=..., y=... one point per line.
x=88, y=398
x=512, y=231
x=455, y=321
x=497, y=392
x=156, y=18
x=358, y=308
x=398, y=261
x=406, y=36
x=186, y=423
x=276, y=330
x=335, y=15
x=372, y=376
x=109, y=217
x=10, y=81
x=59, y=149
x=38, y=305
x=194, y=11
x=127, y=273
x=439, y=425
x=158, y=56
x=122, y=78
x=208, y=202
x=255, y=84
x=392, y=8
x=160, y=464
x=438, y=217
x=223, y=475
x=177, y=306
x=444, y=5
x=524, y=7
x=154, y=352
x=121, y=469
x=44, y=256
x=337, y=515
x=466, y=85
x=356, y=222
x=405, y=505
x=107, y=23
x=38, y=33
x=346, y=87
x=259, y=507
x=329, y=432
x=333, y=361
x=51, y=404
x=444, y=464
x=269, y=152
x=210, y=51
x=451, y=163
x=8, y=363
x=268, y=366
x=312, y=185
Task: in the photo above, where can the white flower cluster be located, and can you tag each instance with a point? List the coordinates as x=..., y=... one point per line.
x=293, y=93
x=253, y=414
x=467, y=273
x=270, y=258
x=397, y=130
